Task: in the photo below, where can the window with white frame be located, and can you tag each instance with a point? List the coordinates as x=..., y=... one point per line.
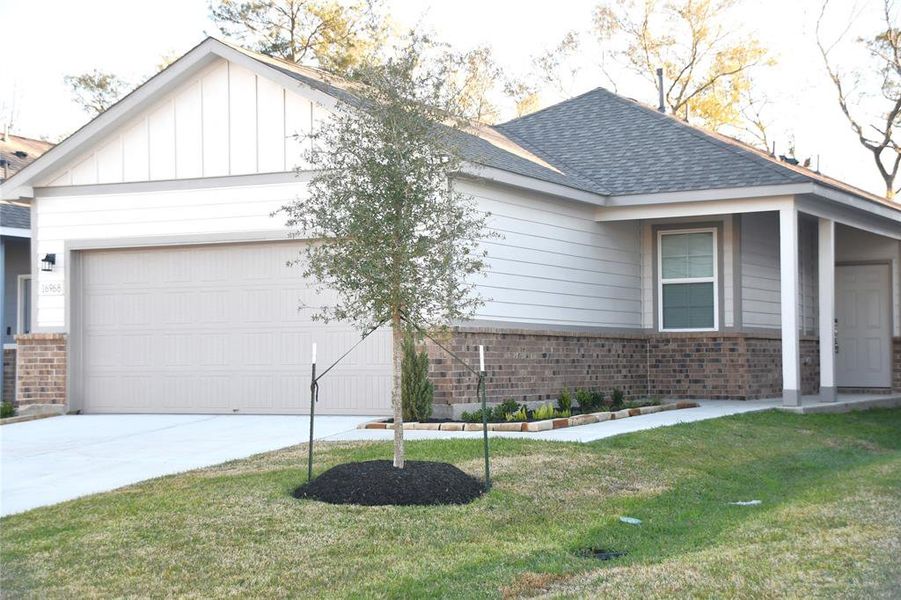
x=687, y=272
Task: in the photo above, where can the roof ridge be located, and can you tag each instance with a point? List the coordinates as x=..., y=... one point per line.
x=555, y=105
x=710, y=137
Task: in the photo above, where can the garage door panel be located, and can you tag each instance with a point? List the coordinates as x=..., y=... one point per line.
x=216, y=329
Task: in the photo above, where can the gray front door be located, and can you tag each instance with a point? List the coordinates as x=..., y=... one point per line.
x=863, y=310
x=214, y=329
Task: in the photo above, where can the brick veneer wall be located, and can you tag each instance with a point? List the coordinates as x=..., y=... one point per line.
x=535, y=365
x=41, y=368
x=529, y=365
x=697, y=366
x=9, y=375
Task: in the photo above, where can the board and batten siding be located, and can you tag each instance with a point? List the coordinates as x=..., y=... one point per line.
x=226, y=120
x=760, y=282
x=554, y=264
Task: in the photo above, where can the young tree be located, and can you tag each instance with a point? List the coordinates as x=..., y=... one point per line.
x=879, y=86
x=96, y=91
x=706, y=68
x=334, y=34
x=394, y=239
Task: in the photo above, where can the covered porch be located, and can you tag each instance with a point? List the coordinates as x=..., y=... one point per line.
x=834, y=290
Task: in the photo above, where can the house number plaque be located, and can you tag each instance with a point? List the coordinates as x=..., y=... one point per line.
x=51, y=288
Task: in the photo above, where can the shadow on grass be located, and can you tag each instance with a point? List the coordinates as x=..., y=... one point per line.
x=693, y=516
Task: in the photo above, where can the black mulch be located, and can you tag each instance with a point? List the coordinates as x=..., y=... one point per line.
x=377, y=483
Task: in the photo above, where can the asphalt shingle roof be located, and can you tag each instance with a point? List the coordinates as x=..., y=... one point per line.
x=487, y=146
x=627, y=148
x=18, y=217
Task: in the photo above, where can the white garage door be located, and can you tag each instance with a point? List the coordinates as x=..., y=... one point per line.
x=213, y=329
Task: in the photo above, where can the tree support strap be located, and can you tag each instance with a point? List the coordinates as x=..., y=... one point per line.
x=314, y=393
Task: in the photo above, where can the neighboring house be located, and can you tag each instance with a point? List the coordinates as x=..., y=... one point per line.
x=15, y=256
x=638, y=252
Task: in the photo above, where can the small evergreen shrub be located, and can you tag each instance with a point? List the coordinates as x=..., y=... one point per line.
x=589, y=401
x=504, y=409
x=519, y=415
x=545, y=411
x=565, y=401
x=472, y=417
x=7, y=410
x=617, y=398
x=416, y=391
x=562, y=414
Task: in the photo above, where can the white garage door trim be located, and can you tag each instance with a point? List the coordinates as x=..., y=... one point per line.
x=359, y=386
x=864, y=293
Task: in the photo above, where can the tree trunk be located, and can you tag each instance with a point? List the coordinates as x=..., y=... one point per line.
x=396, y=401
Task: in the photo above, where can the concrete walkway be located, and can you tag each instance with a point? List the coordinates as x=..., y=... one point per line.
x=709, y=409
x=60, y=458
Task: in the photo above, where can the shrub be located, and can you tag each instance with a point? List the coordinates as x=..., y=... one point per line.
x=473, y=417
x=617, y=398
x=7, y=410
x=416, y=391
x=562, y=414
x=589, y=401
x=545, y=411
x=565, y=401
x=504, y=409
x=519, y=415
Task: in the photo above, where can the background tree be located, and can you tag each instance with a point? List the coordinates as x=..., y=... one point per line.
x=395, y=240
x=706, y=66
x=557, y=67
x=477, y=76
x=96, y=91
x=524, y=95
x=333, y=34
x=878, y=85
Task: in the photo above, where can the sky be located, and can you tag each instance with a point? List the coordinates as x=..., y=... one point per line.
x=131, y=38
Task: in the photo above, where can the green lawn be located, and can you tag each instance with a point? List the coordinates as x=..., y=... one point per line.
x=829, y=525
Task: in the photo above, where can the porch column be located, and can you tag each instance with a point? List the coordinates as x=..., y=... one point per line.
x=826, y=284
x=788, y=269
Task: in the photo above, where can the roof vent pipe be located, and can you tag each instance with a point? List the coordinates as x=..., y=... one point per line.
x=660, y=106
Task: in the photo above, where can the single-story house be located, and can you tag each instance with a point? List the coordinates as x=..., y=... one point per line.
x=638, y=252
x=16, y=152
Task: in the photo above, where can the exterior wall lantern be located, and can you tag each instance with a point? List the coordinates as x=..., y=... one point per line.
x=48, y=262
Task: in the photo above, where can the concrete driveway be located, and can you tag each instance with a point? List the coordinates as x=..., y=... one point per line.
x=51, y=460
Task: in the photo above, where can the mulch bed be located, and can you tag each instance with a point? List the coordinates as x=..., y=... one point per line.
x=378, y=483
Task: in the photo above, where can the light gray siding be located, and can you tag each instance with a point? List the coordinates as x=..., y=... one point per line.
x=760, y=272
x=555, y=264
x=18, y=262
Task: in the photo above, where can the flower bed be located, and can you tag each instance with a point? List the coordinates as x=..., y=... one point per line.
x=543, y=425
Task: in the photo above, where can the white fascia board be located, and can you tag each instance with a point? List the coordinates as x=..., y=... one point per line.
x=795, y=189
x=889, y=226
x=15, y=232
x=211, y=49
x=868, y=206
x=711, y=194
x=477, y=171
x=693, y=208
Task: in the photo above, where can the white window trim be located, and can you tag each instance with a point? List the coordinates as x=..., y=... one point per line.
x=714, y=279
x=21, y=282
